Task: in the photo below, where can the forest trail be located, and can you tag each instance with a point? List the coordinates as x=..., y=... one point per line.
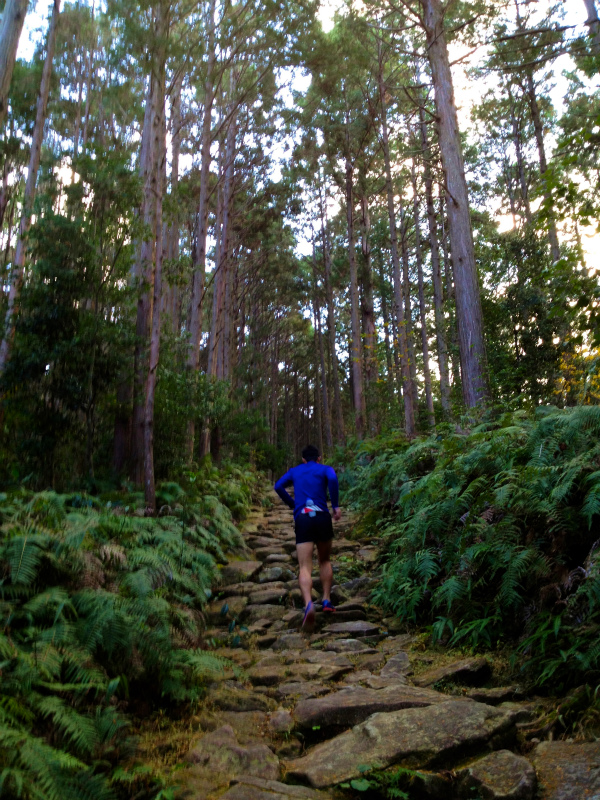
x=320, y=716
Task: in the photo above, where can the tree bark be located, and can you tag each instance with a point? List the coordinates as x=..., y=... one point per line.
x=356, y=348
x=422, y=309
x=468, y=301
x=326, y=417
x=454, y=360
x=318, y=416
x=539, y=138
x=410, y=341
x=407, y=385
x=91, y=69
x=438, y=292
x=593, y=24
x=124, y=450
x=16, y=278
x=368, y=312
x=335, y=375
x=199, y=264
x=516, y=133
x=144, y=271
x=386, y=330
x=149, y=481
x=274, y=386
x=172, y=305
x=215, y=361
x=11, y=26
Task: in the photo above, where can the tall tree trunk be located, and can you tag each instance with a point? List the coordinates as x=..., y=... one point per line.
x=516, y=134
x=449, y=280
x=172, y=305
x=144, y=270
x=150, y=389
x=468, y=301
x=368, y=311
x=410, y=340
x=125, y=449
x=5, y=192
x=438, y=293
x=386, y=330
x=539, y=138
x=215, y=362
x=274, y=387
x=335, y=375
x=538, y=128
x=222, y=266
x=407, y=385
x=356, y=349
x=422, y=309
x=11, y=26
x=91, y=73
x=296, y=440
x=214, y=317
x=16, y=277
x=317, y=400
x=326, y=419
x=202, y=221
x=593, y=24
x=228, y=303
x=77, y=129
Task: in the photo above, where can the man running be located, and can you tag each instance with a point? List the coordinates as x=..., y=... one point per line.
x=312, y=523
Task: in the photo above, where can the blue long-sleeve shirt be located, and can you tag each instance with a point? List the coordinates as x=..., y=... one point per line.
x=310, y=482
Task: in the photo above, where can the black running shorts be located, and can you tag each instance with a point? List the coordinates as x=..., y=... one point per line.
x=314, y=529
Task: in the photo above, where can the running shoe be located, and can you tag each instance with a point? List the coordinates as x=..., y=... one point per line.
x=308, y=623
x=328, y=606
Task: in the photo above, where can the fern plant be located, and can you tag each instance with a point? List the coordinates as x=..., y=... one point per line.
x=98, y=605
x=485, y=531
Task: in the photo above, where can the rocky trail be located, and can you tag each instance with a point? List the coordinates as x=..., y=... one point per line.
x=322, y=716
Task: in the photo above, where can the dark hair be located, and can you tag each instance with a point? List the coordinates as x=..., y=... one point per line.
x=310, y=453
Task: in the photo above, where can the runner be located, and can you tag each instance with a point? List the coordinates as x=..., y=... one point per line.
x=312, y=523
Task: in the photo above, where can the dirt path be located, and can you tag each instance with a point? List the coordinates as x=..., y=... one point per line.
x=321, y=716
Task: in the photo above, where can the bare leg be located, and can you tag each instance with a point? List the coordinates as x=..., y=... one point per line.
x=305, y=557
x=325, y=568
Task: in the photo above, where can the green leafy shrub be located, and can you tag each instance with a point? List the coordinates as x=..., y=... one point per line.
x=99, y=610
x=492, y=534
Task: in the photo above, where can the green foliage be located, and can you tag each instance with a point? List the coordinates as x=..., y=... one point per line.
x=100, y=608
x=492, y=535
x=69, y=347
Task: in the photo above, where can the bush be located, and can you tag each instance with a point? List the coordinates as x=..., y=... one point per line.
x=491, y=535
x=100, y=609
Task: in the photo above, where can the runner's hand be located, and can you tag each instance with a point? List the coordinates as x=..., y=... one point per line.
x=337, y=514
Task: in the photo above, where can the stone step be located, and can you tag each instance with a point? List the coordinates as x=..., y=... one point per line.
x=268, y=596
x=353, y=628
x=268, y=574
x=249, y=788
x=262, y=553
x=353, y=705
x=414, y=737
x=240, y=572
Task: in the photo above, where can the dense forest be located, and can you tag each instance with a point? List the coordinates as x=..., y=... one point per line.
x=225, y=230
x=231, y=228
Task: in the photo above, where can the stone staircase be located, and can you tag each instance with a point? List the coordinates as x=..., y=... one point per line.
x=313, y=716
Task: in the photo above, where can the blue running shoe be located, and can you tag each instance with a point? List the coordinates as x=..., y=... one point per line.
x=308, y=623
x=328, y=606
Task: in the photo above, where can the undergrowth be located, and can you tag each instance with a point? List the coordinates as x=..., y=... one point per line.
x=101, y=621
x=492, y=535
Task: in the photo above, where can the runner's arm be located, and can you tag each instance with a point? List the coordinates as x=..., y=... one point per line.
x=285, y=480
x=334, y=489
